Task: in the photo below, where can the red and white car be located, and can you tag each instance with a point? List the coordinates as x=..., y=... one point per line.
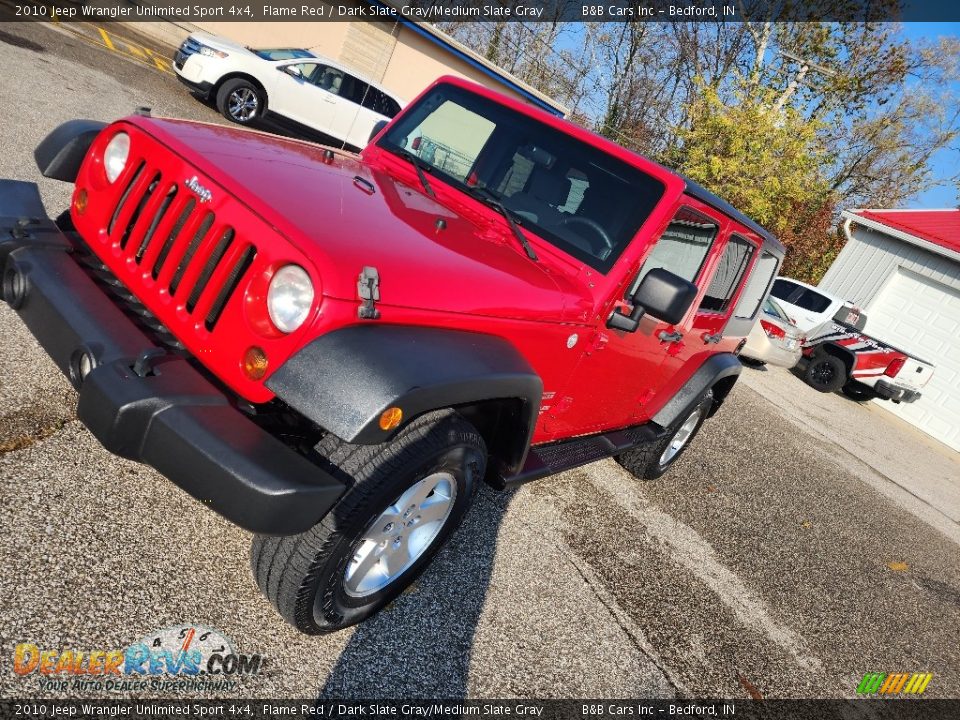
x=840, y=355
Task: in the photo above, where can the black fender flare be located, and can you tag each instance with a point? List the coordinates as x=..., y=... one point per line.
x=345, y=379
x=61, y=152
x=847, y=356
x=722, y=369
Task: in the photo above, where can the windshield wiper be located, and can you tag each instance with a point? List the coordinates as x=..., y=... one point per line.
x=418, y=166
x=489, y=198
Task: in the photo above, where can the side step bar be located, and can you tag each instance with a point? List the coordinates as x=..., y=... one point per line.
x=553, y=458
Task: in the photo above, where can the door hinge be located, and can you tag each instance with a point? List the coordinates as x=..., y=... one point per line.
x=670, y=337
x=715, y=338
x=368, y=288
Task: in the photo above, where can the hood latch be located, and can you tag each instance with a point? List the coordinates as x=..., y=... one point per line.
x=368, y=288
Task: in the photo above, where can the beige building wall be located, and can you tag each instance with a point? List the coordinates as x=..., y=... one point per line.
x=326, y=38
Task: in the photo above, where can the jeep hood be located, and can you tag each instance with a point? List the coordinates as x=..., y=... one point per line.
x=345, y=215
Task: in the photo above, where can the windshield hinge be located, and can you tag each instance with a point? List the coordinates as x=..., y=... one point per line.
x=368, y=288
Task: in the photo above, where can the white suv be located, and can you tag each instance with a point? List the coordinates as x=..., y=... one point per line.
x=310, y=91
x=810, y=307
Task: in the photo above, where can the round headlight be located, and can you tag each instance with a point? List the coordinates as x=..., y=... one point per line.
x=115, y=156
x=289, y=298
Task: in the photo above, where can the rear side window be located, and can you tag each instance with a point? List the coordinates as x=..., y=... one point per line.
x=800, y=296
x=783, y=289
x=683, y=246
x=353, y=89
x=813, y=301
x=380, y=103
x=733, y=264
x=757, y=285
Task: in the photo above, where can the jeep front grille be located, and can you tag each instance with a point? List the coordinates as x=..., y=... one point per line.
x=168, y=233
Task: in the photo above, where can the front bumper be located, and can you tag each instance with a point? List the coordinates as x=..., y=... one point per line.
x=203, y=89
x=142, y=403
x=897, y=393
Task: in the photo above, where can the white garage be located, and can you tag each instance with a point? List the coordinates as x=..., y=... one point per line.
x=903, y=268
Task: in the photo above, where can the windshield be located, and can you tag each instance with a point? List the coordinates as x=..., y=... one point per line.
x=283, y=53
x=573, y=195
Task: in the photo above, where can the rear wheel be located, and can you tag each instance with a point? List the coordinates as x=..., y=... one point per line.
x=826, y=373
x=240, y=101
x=652, y=461
x=405, y=499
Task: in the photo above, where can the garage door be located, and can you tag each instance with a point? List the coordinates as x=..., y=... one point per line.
x=922, y=316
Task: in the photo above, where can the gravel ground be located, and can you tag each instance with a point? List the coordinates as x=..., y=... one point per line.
x=770, y=562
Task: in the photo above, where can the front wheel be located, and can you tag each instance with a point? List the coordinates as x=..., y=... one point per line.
x=652, y=461
x=405, y=499
x=240, y=101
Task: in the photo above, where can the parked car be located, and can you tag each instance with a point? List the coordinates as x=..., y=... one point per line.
x=307, y=91
x=809, y=307
x=839, y=355
x=332, y=350
x=774, y=339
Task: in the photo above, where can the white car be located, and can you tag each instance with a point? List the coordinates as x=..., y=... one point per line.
x=809, y=307
x=774, y=339
x=312, y=92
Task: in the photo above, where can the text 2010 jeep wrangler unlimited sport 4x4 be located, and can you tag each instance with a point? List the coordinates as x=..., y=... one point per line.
x=332, y=350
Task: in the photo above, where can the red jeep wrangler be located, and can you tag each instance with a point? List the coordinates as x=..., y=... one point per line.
x=331, y=350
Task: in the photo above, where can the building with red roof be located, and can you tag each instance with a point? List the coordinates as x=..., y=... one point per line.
x=903, y=268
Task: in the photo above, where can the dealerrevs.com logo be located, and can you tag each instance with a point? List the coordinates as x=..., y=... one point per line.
x=183, y=657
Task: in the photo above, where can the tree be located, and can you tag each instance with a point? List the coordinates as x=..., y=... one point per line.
x=870, y=108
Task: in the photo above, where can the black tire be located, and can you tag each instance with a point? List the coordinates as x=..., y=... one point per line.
x=648, y=462
x=231, y=92
x=825, y=373
x=304, y=576
x=858, y=391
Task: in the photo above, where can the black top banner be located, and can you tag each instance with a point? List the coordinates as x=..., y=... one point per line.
x=710, y=11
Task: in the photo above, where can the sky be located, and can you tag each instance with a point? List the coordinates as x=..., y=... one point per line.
x=946, y=162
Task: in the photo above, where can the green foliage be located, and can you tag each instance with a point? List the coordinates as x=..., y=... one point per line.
x=762, y=161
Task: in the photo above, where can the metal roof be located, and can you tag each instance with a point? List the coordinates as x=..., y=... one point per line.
x=939, y=227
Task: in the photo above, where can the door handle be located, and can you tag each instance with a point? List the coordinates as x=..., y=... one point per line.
x=715, y=338
x=669, y=337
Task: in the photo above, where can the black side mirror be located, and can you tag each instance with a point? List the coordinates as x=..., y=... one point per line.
x=377, y=127
x=664, y=295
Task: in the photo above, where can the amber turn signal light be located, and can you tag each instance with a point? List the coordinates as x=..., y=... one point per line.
x=390, y=418
x=255, y=363
x=80, y=201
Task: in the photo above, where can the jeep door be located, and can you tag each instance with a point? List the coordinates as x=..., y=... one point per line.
x=623, y=376
x=705, y=330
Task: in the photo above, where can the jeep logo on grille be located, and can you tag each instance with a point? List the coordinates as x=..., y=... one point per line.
x=204, y=194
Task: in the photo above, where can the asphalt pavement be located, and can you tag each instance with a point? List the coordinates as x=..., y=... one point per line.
x=771, y=562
